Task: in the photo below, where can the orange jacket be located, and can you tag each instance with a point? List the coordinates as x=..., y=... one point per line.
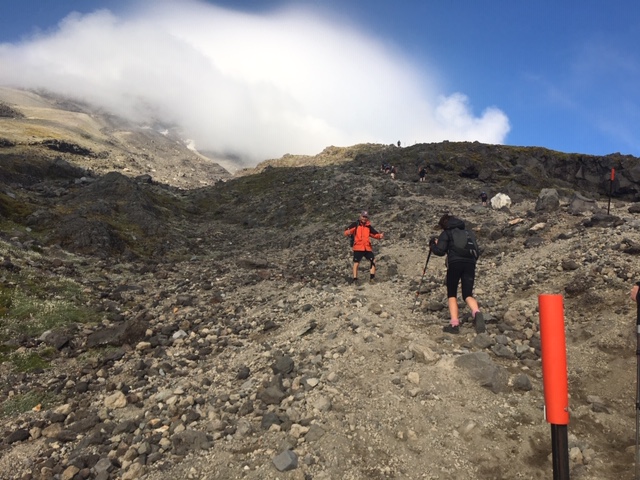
x=363, y=233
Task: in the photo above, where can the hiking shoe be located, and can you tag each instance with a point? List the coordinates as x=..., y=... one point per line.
x=372, y=281
x=354, y=281
x=479, y=323
x=451, y=329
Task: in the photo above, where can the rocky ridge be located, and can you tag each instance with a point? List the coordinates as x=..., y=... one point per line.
x=42, y=124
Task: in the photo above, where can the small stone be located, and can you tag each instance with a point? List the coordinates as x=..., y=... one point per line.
x=142, y=346
x=287, y=460
x=17, y=436
x=116, y=400
x=70, y=472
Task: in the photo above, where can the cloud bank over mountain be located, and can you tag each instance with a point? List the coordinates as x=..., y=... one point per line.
x=253, y=85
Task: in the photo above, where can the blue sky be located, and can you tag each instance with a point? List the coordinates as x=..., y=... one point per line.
x=266, y=77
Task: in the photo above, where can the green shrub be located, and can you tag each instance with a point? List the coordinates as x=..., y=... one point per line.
x=31, y=304
x=29, y=362
x=27, y=401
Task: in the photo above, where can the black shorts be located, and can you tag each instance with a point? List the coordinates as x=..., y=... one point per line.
x=358, y=254
x=461, y=272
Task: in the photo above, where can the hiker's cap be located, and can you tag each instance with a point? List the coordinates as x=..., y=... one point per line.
x=364, y=214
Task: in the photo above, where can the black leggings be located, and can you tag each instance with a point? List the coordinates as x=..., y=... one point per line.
x=460, y=271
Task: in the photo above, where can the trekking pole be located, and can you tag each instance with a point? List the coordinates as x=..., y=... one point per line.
x=421, y=279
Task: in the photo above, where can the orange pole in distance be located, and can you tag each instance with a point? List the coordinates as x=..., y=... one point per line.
x=613, y=176
x=554, y=359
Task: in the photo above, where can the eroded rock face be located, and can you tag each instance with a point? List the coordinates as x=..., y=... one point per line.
x=6, y=111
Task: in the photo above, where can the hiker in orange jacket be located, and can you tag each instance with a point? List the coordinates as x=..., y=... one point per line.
x=362, y=232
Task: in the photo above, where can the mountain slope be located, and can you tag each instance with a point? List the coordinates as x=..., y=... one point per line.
x=38, y=123
x=149, y=331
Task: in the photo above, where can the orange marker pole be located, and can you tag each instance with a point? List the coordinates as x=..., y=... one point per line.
x=613, y=176
x=637, y=300
x=554, y=377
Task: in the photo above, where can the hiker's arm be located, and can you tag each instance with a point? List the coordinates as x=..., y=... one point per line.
x=351, y=229
x=634, y=292
x=373, y=233
x=440, y=246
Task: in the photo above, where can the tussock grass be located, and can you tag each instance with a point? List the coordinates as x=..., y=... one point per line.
x=28, y=313
x=28, y=362
x=24, y=402
x=32, y=301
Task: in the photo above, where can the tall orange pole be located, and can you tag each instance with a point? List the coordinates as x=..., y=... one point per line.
x=554, y=376
x=637, y=300
x=613, y=176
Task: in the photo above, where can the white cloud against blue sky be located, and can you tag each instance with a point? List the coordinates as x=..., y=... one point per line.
x=261, y=79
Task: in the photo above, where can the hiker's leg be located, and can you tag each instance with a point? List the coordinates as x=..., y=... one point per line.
x=372, y=270
x=453, y=278
x=468, y=278
x=478, y=318
x=357, y=256
x=453, y=310
x=472, y=303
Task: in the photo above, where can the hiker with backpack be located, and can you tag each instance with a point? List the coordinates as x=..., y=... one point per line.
x=361, y=233
x=461, y=249
x=422, y=173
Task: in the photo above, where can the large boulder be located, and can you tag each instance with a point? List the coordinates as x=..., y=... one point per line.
x=499, y=201
x=548, y=200
x=579, y=204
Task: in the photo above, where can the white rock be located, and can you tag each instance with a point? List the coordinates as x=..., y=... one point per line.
x=500, y=200
x=116, y=400
x=414, y=377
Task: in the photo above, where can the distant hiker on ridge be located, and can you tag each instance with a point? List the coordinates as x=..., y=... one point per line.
x=461, y=249
x=422, y=173
x=361, y=231
x=483, y=198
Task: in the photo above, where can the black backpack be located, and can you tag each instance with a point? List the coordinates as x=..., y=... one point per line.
x=463, y=244
x=352, y=237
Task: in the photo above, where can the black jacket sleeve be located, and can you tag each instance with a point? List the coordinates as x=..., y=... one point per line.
x=440, y=249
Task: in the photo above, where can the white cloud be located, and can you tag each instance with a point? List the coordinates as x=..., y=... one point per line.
x=259, y=86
